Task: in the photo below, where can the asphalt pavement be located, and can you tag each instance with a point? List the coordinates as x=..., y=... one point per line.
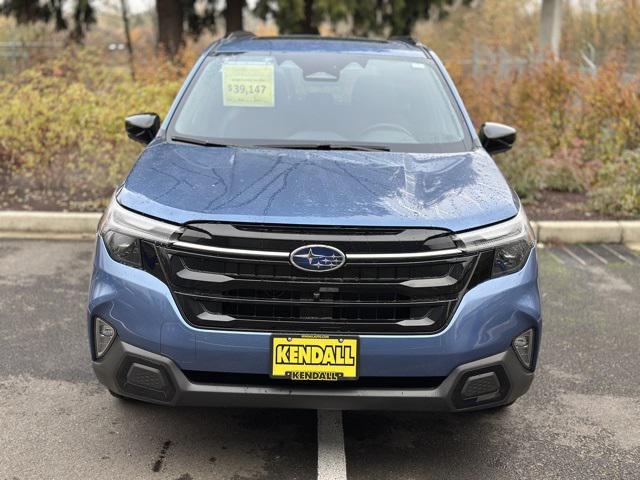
x=579, y=420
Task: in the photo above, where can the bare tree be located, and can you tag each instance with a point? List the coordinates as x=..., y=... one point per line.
x=127, y=33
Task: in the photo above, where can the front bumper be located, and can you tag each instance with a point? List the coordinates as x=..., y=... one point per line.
x=133, y=372
x=150, y=328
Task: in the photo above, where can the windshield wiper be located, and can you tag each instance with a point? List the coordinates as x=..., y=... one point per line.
x=204, y=143
x=296, y=146
x=328, y=146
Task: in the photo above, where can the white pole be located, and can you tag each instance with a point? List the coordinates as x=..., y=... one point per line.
x=551, y=26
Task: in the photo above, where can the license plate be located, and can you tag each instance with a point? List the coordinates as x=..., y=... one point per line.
x=315, y=358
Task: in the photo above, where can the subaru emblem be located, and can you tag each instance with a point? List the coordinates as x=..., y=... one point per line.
x=317, y=258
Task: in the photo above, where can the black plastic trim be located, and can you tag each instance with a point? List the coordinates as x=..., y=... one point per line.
x=505, y=385
x=189, y=393
x=224, y=378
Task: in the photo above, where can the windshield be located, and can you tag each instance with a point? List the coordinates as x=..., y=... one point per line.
x=316, y=100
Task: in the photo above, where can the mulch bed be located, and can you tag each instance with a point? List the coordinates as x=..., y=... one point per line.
x=551, y=205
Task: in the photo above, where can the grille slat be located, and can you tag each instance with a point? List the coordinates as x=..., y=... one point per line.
x=283, y=271
x=219, y=291
x=287, y=238
x=311, y=303
x=297, y=326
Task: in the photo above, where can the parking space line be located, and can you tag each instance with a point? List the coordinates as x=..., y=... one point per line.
x=556, y=258
x=617, y=254
x=332, y=462
x=594, y=254
x=574, y=256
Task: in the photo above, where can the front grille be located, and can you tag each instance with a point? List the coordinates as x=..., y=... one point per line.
x=231, y=291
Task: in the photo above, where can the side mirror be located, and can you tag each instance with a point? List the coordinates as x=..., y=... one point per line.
x=142, y=127
x=496, y=137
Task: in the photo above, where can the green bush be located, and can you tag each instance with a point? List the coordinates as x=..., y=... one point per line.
x=61, y=129
x=521, y=166
x=617, y=187
x=571, y=124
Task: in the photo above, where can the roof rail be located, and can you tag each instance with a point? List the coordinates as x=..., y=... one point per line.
x=405, y=39
x=239, y=34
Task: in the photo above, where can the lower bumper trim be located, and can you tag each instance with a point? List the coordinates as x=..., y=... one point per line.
x=113, y=370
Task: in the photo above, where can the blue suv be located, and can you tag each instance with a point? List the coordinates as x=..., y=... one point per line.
x=315, y=224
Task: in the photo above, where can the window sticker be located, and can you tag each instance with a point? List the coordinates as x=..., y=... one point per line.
x=248, y=84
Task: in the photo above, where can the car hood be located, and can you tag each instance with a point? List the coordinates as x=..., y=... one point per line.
x=188, y=183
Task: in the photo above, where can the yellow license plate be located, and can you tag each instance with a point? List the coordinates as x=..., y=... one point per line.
x=314, y=358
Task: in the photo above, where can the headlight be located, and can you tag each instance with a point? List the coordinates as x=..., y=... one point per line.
x=512, y=241
x=122, y=230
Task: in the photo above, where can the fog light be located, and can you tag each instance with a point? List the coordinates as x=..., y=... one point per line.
x=523, y=346
x=104, y=335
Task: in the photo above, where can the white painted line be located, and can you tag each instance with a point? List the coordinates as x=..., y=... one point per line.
x=332, y=462
x=617, y=254
x=588, y=250
x=556, y=258
x=574, y=256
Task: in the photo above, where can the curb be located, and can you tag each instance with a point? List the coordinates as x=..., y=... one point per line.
x=592, y=231
x=53, y=225
x=73, y=225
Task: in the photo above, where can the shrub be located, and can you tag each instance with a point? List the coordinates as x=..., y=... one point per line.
x=617, y=188
x=61, y=129
x=521, y=166
x=570, y=124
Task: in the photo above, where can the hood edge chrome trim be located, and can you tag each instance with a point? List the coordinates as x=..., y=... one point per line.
x=353, y=256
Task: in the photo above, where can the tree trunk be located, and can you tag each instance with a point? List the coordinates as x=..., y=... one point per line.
x=308, y=23
x=233, y=15
x=127, y=35
x=170, y=25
